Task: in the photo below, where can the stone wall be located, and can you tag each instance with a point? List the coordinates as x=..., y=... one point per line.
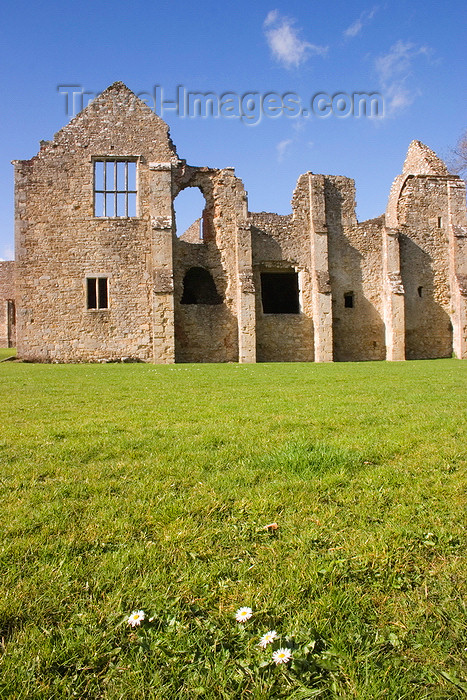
x=59, y=241
x=314, y=285
x=211, y=332
x=279, y=243
x=356, y=269
x=425, y=268
x=193, y=234
x=7, y=304
x=420, y=213
x=203, y=332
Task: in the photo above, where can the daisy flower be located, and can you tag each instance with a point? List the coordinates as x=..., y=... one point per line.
x=136, y=618
x=267, y=638
x=243, y=614
x=282, y=656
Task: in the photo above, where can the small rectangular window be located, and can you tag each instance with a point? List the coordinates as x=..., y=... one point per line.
x=348, y=300
x=102, y=301
x=97, y=293
x=114, y=188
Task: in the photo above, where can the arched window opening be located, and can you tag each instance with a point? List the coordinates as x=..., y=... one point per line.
x=189, y=207
x=199, y=287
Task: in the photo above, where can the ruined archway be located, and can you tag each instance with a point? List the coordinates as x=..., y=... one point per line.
x=205, y=327
x=189, y=207
x=199, y=288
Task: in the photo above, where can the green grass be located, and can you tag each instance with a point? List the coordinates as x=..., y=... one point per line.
x=128, y=487
x=6, y=353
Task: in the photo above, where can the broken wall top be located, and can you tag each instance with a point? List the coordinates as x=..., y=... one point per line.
x=421, y=160
x=116, y=123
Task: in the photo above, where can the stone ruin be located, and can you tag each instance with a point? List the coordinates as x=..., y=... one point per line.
x=101, y=274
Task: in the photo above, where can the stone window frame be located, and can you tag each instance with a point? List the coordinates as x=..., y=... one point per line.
x=98, y=306
x=281, y=268
x=114, y=190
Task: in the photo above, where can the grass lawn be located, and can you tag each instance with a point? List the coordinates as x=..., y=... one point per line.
x=142, y=487
x=7, y=352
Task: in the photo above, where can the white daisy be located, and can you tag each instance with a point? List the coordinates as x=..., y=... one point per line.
x=282, y=656
x=267, y=638
x=243, y=614
x=136, y=618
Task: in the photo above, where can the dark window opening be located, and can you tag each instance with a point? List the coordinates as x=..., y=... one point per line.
x=114, y=187
x=440, y=222
x=97, y=293
x=348, y=300
x=11, y=322
x=279, y=293
x=420, y=291
x=199, y=287
x=11, y=314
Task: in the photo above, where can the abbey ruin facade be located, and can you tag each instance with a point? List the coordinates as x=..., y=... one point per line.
x=101, y=274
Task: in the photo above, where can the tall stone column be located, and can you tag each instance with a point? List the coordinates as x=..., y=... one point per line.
x=321, y=285
x=246, y=309
x=23, y=298
x=160, y=210
x=393, y=295
x=457, y=233
x=234, y=237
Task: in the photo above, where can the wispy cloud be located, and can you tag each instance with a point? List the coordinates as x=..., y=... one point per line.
x=8, y=253
x=398, y=61
x=284, y=40
x=394, y=70
x=356, y=27
x=281, y=148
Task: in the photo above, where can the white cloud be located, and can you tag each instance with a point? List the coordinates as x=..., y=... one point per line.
x=271, y=17
x=8, y=253
x=281, y=148
x=399, y=60
x=398, y=97
x=356, y=27
x=285, y=43
x=394, y=70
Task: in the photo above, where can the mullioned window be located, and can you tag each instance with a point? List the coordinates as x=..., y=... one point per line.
x=114, y=187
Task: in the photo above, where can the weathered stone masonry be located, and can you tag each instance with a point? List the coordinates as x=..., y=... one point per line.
x=101, y=273
x=7, y=304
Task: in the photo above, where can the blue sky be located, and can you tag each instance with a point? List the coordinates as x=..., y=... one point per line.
x=412, y=53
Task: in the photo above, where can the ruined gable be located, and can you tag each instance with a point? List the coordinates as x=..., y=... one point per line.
x=116, y=120
x=421, y=160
